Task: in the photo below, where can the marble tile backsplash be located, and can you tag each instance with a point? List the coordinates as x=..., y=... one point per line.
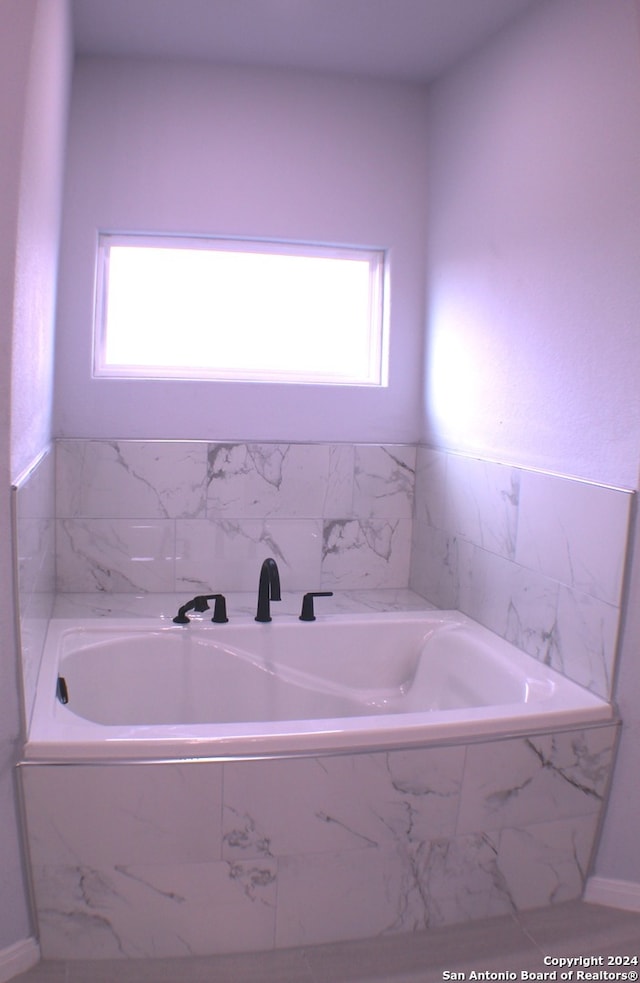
x=191, y=516
x=537, y=558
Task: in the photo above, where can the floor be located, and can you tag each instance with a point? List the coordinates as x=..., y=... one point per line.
x=519, y=945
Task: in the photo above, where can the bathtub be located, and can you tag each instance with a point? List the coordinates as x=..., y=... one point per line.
x=147, y=689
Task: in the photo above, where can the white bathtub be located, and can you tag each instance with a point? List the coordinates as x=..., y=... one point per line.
x=149, y=689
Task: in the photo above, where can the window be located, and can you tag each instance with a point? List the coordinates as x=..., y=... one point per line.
x=201, y=308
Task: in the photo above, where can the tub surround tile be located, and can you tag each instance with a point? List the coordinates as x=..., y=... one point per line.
x=233, y=504
x=341, y=802
x=119, y=814
x=340, y=490
x=430, y=498
x=384, y=479
x=131, y=911
x=574, y=532
x=526, y=780
x=226, y=555
x=435, y=565
x=547, y=863
x=536, y=558
x=517, y=604
x=267, y=480
x=428, y=837
x=365, y=553
x=482, y=503
x=202, y=858
x=130, y=479
x=585, y=640
x=115, y=554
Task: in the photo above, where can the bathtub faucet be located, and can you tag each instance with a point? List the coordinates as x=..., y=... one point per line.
x=268, y=589
x=199, y=603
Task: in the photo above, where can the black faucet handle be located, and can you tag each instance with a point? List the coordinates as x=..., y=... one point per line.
x=307, y=613
x=219, y=609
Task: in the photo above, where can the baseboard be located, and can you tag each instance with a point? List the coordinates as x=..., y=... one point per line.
x=18, y=958
x=613, y=893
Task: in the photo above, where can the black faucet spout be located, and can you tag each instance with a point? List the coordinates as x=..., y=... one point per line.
x=268, y=589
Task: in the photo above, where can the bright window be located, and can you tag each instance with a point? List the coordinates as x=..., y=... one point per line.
x=200, y=308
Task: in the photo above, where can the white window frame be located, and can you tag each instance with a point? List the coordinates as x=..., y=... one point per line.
x=372, y=368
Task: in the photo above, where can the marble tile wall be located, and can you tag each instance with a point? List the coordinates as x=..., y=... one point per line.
x=33, y=502
x=537, y=558
x=205, y=857
x=187, y=516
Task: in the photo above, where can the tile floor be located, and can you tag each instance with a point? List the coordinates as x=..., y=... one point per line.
x=510, y=943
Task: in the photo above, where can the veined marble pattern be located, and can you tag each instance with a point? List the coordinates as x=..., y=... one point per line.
x=196, y=858
x=254, y=480
x=130, y=479
x=165, y=515
x=115, y=555
x=574, y=532
x=384, y=481
x=156, y=910
x=226, y=555
x=482, y=504
x=365, y=553
x=537, y=558
x=341, y=803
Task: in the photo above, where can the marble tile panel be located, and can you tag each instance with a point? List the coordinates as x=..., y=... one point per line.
x=119, y=814
x=482, y=503
x=35, y=613
x=546, y=863
x=345, y=802
x=328, y=897
x=165, y=910
x=384, y=480
x=33, y=508
x=117, y=555
x=361, y=893
x=430, y=503
x=517, y=604
x=366, y=553
x=526, y=780
x=452, y=880
x=226, y=555
x=574, y=532
x=130, y=479
x=586, y=638
x=339, y=495
x=35, y=540
x=267, y=480
x=434, y=565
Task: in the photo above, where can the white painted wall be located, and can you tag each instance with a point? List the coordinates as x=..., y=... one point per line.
x=38, y=234
x=34, y=75
x=533, y=354
x=534, y=238
x=177, y=147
